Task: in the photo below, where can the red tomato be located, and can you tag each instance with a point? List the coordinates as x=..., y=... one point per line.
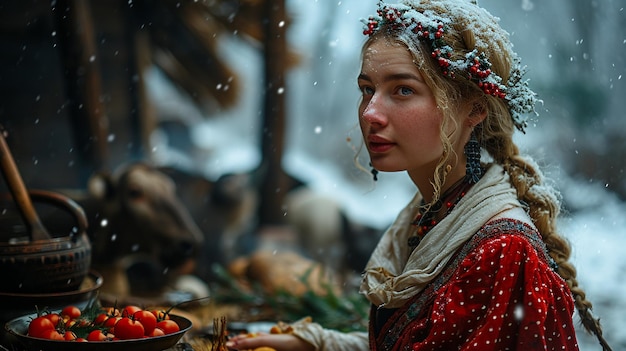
x=69, y=335
x=130, y=310
x=53, y=317
x=156, y=332
x=111, y=322
x=168, y=326
x=52, y=334
x=147, y=319
x=100, y=319
x=38, y=326
x=96, y=335
x=127, y=328
x=80, y=340
x=71, y=311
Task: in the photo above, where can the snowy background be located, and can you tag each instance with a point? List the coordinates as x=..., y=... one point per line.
x=564, y=42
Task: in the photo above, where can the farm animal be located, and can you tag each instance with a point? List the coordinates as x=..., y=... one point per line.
x=151, y=224
x=142, y=235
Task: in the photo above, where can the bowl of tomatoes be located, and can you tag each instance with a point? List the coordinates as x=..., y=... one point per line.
x=96, y=328
x=14, y=305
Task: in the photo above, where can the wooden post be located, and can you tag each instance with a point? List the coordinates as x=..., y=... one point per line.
x=273, y=180
x=82, y=82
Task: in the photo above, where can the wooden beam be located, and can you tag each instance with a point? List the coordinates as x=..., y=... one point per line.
x=76, y=39
x=273, y=185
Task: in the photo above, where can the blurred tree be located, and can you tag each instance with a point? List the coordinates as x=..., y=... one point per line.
x=583, y=43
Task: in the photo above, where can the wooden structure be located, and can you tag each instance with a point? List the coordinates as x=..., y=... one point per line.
x=71, y=77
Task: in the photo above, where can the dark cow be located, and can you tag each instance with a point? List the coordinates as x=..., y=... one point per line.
x=141, y=233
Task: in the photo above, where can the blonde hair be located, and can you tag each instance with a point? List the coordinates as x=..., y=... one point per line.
x=495, y=133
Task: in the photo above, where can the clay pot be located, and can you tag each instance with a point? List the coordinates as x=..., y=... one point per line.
x=52, y=265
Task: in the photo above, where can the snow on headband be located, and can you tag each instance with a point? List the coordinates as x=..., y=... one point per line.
x=430, y=27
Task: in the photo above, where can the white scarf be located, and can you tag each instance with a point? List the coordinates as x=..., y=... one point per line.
x=395, y=272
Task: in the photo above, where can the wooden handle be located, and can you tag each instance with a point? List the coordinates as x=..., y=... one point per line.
x=20, y=194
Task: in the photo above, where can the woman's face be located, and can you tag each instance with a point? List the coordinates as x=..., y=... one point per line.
x=398, y=114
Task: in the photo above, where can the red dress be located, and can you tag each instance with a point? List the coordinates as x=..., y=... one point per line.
x=499, y=292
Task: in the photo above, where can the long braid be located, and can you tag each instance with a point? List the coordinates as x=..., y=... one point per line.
x=496, y=136
x=544, y=209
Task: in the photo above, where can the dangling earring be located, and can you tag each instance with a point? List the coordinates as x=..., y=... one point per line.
x=473, y=168
x=374, y=172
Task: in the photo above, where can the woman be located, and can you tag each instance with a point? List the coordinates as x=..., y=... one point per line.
x=474, y=261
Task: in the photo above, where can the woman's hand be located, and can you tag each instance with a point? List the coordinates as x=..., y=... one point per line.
x=278, y=342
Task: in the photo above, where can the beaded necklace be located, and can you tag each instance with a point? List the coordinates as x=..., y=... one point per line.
x=426, y=220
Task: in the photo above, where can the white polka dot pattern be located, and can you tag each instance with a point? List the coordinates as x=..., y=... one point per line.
x=503, y=295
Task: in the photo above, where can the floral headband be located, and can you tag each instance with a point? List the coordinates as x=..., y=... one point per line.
x=430, y=28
